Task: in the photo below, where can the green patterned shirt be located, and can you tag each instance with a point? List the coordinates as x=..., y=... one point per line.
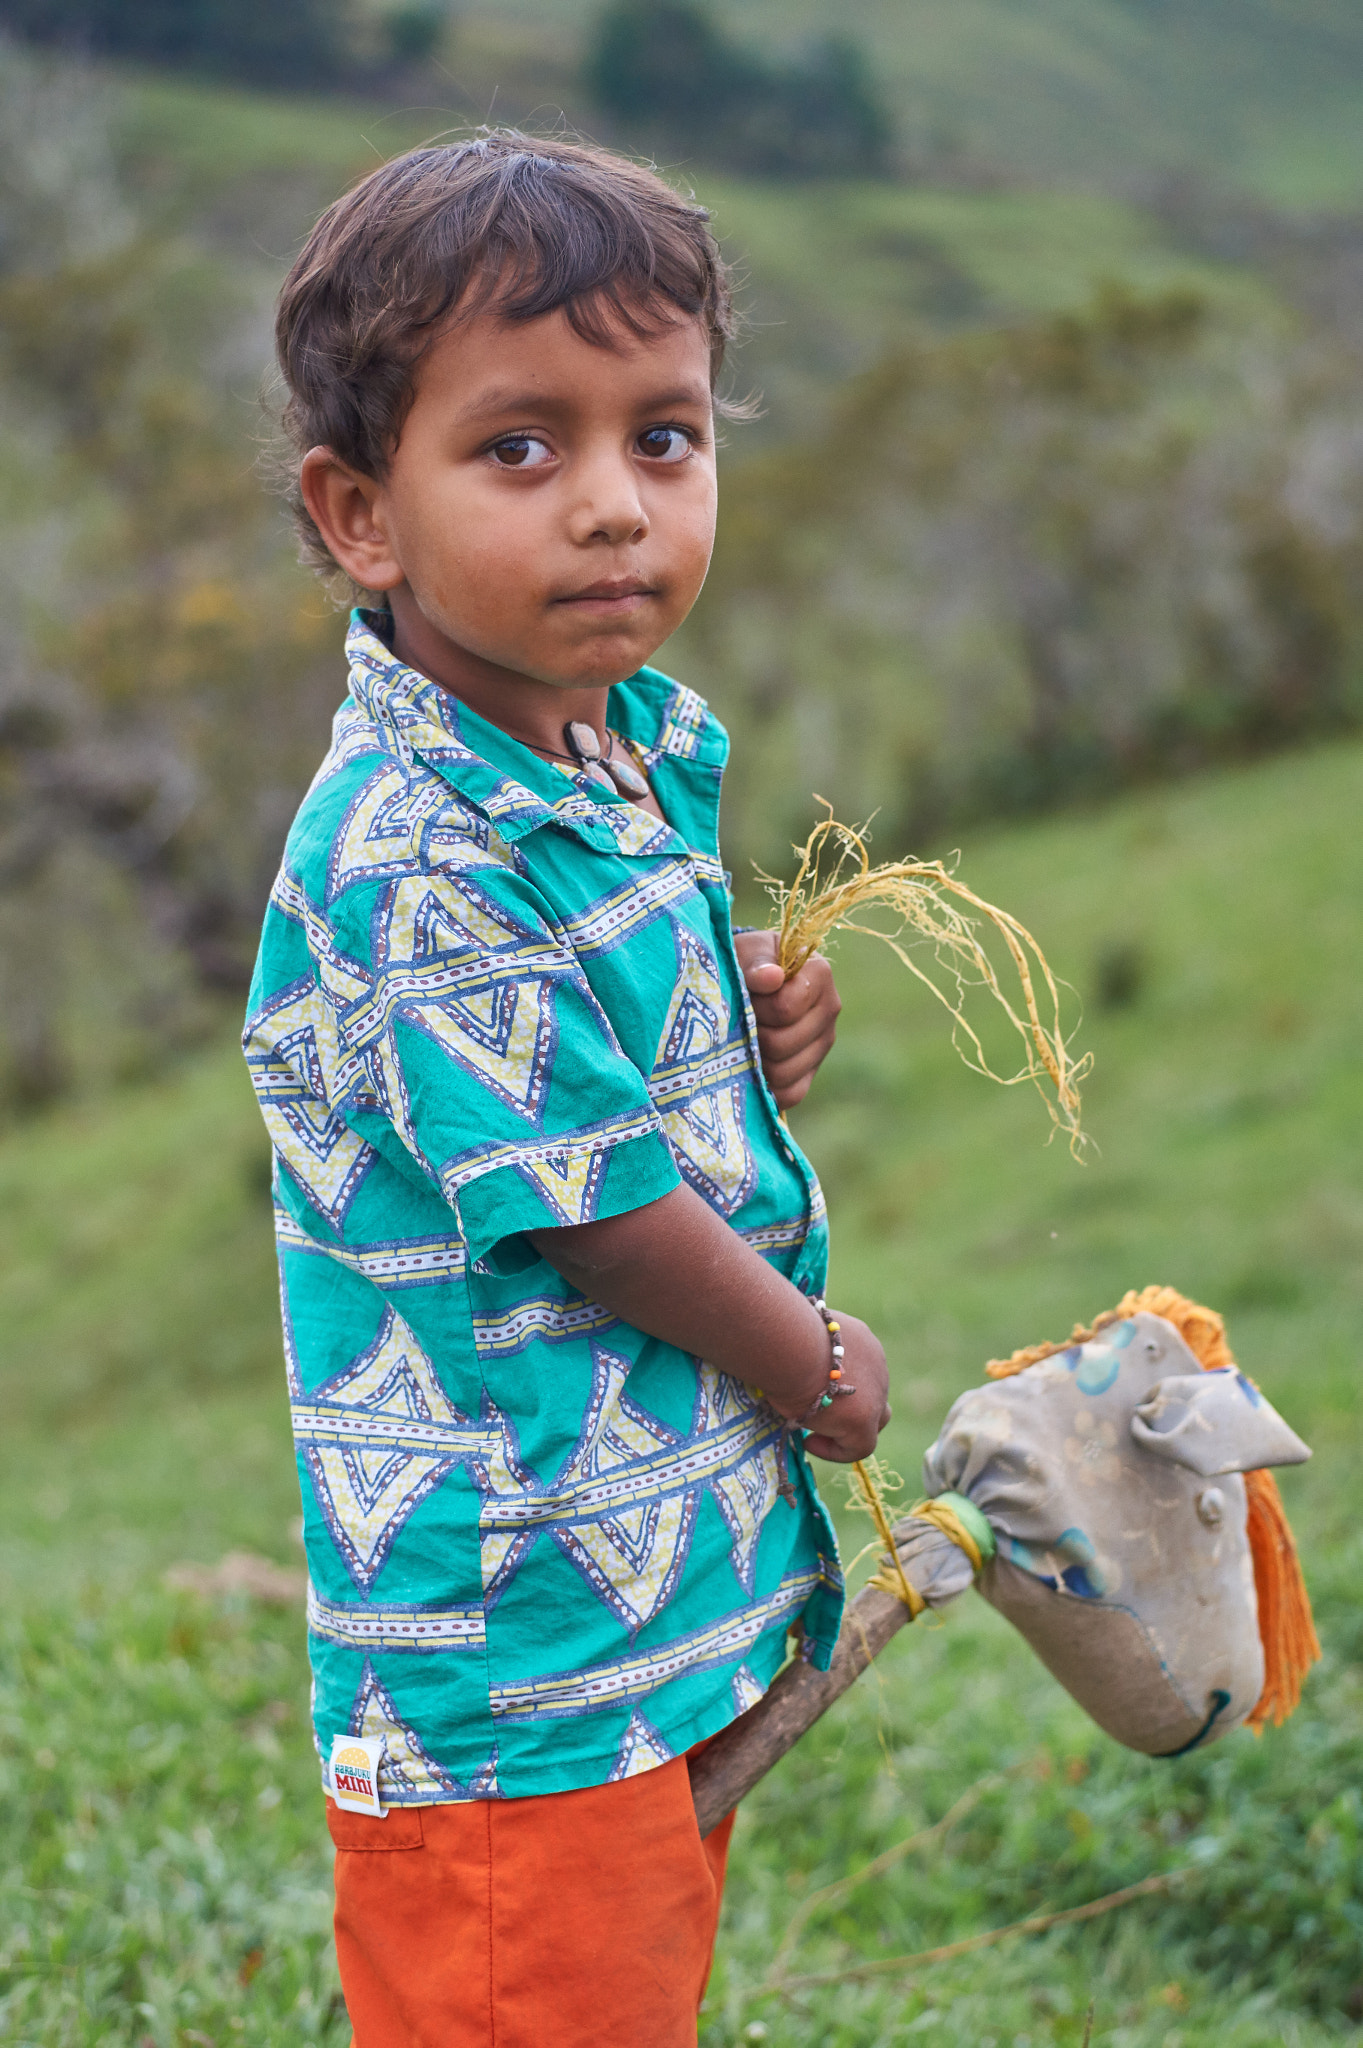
x=544, y=1549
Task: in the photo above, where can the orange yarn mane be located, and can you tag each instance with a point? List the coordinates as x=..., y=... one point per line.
x=1286, y=1629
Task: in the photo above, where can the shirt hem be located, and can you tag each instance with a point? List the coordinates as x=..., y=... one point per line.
x=592, y=1772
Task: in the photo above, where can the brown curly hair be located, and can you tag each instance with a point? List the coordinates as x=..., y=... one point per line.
x=503, y=222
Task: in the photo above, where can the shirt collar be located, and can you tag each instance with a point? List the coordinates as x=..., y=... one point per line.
x=506, y=780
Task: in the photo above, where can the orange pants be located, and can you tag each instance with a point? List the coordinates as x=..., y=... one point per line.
x=575, y=1920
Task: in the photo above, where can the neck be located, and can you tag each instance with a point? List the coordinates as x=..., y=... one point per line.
x=527, y=709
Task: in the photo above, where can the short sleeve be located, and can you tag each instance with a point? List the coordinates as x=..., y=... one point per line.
x=484, y=1047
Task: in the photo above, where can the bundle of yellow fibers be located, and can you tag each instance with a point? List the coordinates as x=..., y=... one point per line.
x=1286, y=1628
x=835, y=885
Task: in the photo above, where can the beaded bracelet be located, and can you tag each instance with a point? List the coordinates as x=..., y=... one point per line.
x=825, y=1399
x=836, y=1383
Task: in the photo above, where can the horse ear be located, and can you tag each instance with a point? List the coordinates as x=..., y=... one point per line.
x=1214, y=1422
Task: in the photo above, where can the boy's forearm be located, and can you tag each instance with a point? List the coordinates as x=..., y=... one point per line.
x=676, y=1270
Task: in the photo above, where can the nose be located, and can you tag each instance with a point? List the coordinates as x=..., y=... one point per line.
x=607, y=504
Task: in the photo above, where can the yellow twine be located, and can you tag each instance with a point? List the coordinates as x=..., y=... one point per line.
x=950, y=1524
x=892, y=1578
x=835, y=878
x=895, y=1580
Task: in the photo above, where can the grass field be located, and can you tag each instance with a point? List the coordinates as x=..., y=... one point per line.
x=164, y=1876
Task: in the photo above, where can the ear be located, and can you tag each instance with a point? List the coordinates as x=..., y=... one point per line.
x=347, y=510
x=1215, y=1422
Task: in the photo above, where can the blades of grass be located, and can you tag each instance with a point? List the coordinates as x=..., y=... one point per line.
x=833, y=1894
x=1039, y=1923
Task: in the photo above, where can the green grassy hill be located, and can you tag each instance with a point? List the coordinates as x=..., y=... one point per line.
x=1262, y=96
x=831, y=273
x=165, y=1867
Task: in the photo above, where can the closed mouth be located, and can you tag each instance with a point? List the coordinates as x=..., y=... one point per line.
x=610, y=592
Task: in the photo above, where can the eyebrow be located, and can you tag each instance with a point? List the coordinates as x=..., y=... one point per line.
x=508, y=399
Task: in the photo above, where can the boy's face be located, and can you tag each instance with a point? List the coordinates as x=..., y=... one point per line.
x=549, y=511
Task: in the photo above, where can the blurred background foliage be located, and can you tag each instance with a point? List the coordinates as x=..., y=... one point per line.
x=1058, y=485
x=665, y=70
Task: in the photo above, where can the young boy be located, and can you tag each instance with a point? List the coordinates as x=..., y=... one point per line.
x=550, y=1257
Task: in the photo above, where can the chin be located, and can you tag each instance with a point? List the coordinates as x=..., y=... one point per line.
x=601, y=674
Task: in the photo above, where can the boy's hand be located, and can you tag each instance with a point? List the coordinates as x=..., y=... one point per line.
x=849, y=1428
x=797, y=1019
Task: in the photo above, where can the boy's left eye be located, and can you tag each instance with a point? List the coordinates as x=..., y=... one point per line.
x=664, y=444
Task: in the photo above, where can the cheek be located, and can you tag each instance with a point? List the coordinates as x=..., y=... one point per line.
x=690, y=525
x=468, y=549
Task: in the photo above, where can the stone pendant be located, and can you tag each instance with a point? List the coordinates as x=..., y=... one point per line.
x=627, y=776
x=619, y=772
x=581, y=741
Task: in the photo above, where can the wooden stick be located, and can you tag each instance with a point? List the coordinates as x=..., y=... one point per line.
x=1038, y=1924
x=731, y=1765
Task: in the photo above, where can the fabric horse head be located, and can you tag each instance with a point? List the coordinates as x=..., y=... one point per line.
x=1137, y=1540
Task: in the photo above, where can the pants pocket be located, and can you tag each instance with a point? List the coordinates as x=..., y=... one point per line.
x=400, y=1828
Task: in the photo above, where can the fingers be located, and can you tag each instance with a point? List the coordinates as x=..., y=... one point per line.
x=845, y=1450
x=828, y=1447
x=779, y=1005
x=789, y=1079
x=757, y=949
x=796, y=1018
x=752, y=946
x=778, y=1048
x=792, y=1053
x=764, y=981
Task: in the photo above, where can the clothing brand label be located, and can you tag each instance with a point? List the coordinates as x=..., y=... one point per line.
x=355, y=1773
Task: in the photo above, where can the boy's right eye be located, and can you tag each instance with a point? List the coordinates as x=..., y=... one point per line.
x=520, y=451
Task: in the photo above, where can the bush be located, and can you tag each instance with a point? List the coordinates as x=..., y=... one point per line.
x=413, y=32
x=1032, y=565
x=277, y=42
x=165, y=694
x=667, y=71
